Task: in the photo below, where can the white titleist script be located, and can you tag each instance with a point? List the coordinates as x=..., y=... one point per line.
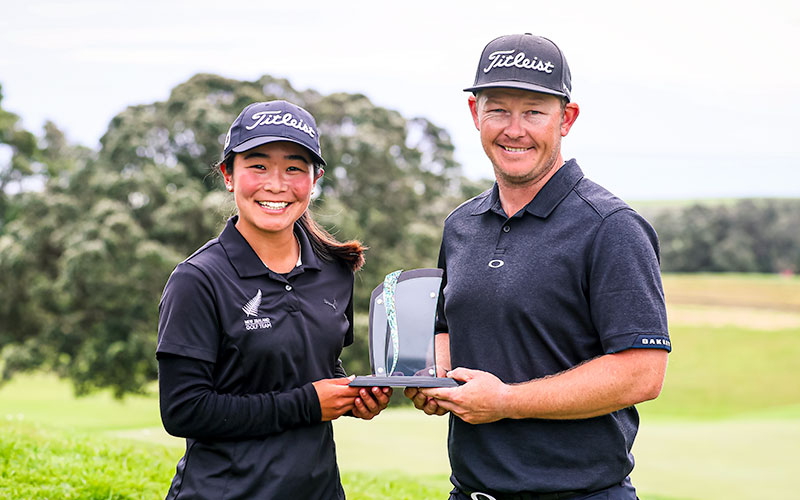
x=276, y=118
x=507, y=59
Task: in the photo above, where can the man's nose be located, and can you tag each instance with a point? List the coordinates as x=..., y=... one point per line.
x=514, y=127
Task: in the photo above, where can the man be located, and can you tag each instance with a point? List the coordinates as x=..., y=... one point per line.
x=552, y=311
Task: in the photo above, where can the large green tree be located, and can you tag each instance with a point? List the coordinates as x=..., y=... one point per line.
x=389, y=180
x=18, y=159
x=86, y=257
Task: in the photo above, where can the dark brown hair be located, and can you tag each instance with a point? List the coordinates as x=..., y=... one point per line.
x=324, y=244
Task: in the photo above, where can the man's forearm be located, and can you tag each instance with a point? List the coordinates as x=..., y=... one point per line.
x=442, y=346
x=597, y=387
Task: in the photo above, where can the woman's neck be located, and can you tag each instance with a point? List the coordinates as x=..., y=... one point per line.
x=278, y=251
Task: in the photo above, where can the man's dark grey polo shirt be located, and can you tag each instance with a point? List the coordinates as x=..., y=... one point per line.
x=572, y=276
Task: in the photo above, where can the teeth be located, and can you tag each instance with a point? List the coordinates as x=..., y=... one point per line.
x=515, y=150
x=273, y=204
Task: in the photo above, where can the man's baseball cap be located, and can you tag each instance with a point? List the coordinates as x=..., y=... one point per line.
x=526, y=62
x=263, y=122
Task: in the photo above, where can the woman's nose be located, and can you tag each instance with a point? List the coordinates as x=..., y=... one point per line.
x=274, y=182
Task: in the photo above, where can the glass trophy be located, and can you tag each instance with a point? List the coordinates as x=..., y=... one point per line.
x=402, y=312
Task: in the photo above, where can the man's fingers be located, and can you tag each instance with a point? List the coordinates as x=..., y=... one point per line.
x=463, y=374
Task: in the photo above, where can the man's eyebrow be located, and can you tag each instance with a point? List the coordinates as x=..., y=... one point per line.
x=499, y=100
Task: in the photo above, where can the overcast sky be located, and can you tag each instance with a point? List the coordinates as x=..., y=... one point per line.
x=680, y=99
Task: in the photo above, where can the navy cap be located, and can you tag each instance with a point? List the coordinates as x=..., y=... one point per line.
x=263, y=122
x=526, y=62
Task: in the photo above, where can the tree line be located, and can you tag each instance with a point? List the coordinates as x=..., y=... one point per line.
x=88, y=237
x=745, y=235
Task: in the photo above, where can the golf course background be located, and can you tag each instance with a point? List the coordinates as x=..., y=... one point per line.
x=726, y=426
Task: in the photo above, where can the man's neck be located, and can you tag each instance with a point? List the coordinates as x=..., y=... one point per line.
x=514, y=197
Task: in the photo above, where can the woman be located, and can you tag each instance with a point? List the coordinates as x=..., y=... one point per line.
x=252, y=324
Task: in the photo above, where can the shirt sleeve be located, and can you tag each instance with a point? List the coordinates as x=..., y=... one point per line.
x=188, y=320
x=190, y=407
x=625, y=291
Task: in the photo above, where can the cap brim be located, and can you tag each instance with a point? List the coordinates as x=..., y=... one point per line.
x=265, y=139
x=511, y=84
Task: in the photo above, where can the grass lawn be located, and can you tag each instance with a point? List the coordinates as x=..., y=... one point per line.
x=727, y=425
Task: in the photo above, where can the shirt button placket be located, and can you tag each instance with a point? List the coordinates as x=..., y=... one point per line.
x=498, y=259
x=292, y=304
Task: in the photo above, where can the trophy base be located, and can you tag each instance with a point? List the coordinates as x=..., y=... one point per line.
x=403, y=381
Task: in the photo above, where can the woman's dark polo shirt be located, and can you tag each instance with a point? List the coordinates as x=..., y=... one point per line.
x=265, y=337
x=572, y=276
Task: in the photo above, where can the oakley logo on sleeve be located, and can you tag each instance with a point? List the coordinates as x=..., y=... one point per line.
x=657, y=341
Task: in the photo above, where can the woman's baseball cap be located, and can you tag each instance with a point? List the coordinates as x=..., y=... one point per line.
x=263, y=122
x=526, y=62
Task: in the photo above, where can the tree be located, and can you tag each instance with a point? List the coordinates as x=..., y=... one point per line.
x=389, y=181
x=87, y=257
x=747, y=235
x=18, y=155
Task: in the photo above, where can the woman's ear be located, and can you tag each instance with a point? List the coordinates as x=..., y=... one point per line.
x=227, y=176
x=318, y=174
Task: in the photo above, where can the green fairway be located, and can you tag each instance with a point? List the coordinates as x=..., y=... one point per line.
x=727, y=425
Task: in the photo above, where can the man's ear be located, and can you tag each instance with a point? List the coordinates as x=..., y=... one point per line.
x=571, y=112
x=473, y=108
x=318, y=175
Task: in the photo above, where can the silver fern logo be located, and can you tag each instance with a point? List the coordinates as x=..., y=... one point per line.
x=251, y=308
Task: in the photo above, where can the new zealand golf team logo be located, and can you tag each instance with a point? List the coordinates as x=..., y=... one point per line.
x=251, y=309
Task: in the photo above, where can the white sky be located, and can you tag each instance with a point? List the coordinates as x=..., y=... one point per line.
x=681, y=99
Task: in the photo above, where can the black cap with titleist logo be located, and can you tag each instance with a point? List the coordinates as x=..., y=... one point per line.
x=263, y=122
x=526, y=62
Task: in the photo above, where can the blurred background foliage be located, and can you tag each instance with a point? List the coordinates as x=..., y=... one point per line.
x=89, y=237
